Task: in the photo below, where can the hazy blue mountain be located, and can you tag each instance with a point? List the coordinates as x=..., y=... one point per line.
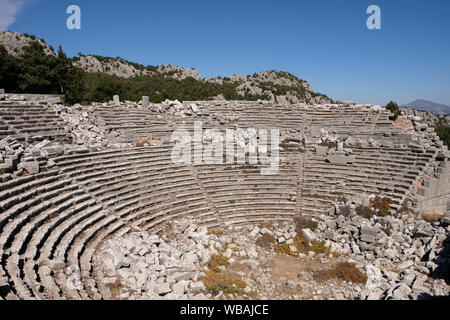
x=429, y=106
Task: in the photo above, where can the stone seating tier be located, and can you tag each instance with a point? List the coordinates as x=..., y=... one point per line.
x=52, y=223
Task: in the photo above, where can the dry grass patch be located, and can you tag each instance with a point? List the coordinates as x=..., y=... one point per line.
x=265, y=241
x=114, y=288
x=216, y=232
x=344, y=271
x=378, y=206
x=381, y=205
x=217, y=261
x=432, y=217
x=403, y=122
x=143, y=141
x=350, y=273
x=266, y=224
x=169, y=231
x=404, y=209
x=216, y=282
x=345, y=211
x=24, y=173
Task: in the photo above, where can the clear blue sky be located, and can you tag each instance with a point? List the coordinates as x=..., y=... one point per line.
x=325, y=42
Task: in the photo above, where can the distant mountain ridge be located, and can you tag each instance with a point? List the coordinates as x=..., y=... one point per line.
x=429, y=106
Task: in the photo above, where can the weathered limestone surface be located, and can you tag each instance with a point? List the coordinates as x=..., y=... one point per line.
x=71, y=172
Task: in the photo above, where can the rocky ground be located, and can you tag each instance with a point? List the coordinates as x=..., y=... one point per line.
x=336, y=257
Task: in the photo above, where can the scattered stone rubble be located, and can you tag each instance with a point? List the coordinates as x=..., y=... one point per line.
x=424, y=117
x=415, y=249
x=14, y=158
x=153, y=267
x=402, y=259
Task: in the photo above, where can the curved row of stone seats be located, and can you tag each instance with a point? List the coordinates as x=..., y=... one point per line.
x=51, y=224
x=29, y=123
x=5, y=130
x=257, y=115
x=239, y=191
x=42, y=239
x=135, y=123
x=387, y=172
x=47, y=246
x=140, y=203
x=66, y=226
x=31, y=98
x=34, y=202
x=150, y=213
x=324, y=114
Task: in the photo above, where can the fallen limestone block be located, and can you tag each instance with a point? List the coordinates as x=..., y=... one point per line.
x=308, y=234
x=180, y=287
x=197, y=286
x=368, y=234
x=405, y=265
x=184, y=276
x=329, y=234
x=53, y=151
x=194, y=108
x=56, y=264
x=265, y=230
x=31, y=167
x=340, y=159
x=401, y=292
x=162, y=288
x=254, y=232
x=321, y=151
x=408, y=278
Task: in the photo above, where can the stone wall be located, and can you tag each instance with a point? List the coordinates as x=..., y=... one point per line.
x=435, y=194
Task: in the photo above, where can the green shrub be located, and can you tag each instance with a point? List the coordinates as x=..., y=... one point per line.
x=443, y=131
x=393, y=107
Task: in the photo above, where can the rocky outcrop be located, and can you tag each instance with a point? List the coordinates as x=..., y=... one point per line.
x=122, y=68
x=112, y=66
x=15, y=41
x=275, y=86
